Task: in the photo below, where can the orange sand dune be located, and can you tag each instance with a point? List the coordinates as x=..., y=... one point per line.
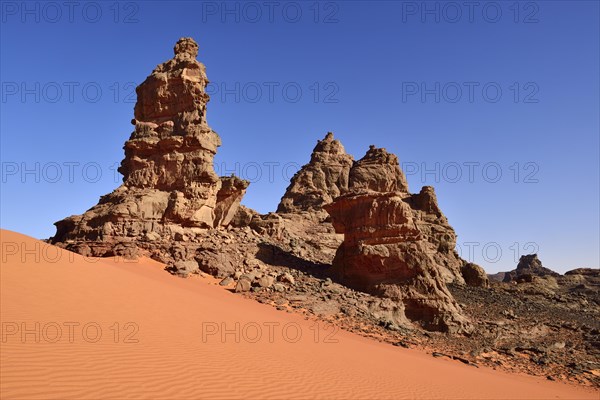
x=114, y=329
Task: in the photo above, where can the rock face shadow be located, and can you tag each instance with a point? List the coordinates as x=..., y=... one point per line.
x=275, y=255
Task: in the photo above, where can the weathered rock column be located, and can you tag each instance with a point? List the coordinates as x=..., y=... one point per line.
x=169, y=182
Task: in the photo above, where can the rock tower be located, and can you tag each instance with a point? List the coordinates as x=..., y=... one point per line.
x=169, y=182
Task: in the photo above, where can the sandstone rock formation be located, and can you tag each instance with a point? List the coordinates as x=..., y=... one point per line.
x=384, y=239
x=396, y=243
x=169, y=185
x=396, y=247
x=529, y=266
x=321, y=180
x=331, y=173
x=377, y=171
x=474, y=275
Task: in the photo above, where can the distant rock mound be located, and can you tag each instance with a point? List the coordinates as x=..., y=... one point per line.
x=588, y=272
x=169, y=183
x=529, y=267
x=397, y=244
x=497, y=277
x=583, y=280
x=321, y=180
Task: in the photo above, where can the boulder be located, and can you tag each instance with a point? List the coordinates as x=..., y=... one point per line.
x=474, y=275
x=216, y=263
x=266, y=281
x=229, y=197
x=243, y=285
x=184, y=268
x=226, y=281
x=286, y=278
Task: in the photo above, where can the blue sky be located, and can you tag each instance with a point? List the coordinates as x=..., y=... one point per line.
x=496, y=104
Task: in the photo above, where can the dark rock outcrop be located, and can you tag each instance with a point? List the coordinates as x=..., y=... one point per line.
x=474, y=275
x=529, y=267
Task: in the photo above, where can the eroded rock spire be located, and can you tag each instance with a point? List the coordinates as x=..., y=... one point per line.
x=169, y=182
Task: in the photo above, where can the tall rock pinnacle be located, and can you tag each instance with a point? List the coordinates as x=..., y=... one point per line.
x=169, y=182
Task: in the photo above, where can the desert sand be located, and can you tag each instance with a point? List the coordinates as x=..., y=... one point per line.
x=111, y=328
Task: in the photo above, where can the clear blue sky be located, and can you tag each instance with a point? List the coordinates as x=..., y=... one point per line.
x=383, y=73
